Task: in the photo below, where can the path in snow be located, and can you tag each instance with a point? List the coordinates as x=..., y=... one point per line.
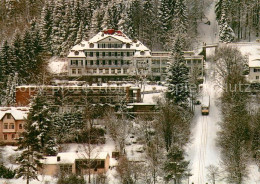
x=209, y=33
x=203, y=151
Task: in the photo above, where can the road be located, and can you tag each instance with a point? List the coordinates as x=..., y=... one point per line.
x=203, y=151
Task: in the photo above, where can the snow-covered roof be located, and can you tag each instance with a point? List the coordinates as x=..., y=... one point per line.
x=109, y=34
x=254, y=61
x=70, y=157
x=116, y=35
x=18, y=113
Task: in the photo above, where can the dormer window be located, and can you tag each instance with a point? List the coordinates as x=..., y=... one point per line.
x=9, y=116
x=91, y=45
x=76, y=53
x=128, y=45
x=142, y=53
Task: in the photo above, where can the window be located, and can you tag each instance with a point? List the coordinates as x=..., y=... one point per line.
x=9, y=116
x=128, y=45
x=188, y=61
x=13, y=136
x=5, y=136
x=91, y=62
x=257, y=77
x=112, y=71
x=65, y=168
x=86, y=62
x=11, y=126
x=97, y=54
x=116, y=54
x=73, y=71
x=256, y=70
x=122, y=62
x=91, y=54
x=128, y=54
x=125, y=71
x=103, y=54
x=109, y=62
x=6, y=126
x=194, y=61
x=79, y=71
x=74, y=62
x=122, y=54
x=115, y=62
x=109, y=54
x=97, y=62
x=142, y=53
x=76, y=53
x=199, y=61
x=91, y=45
x=104, y=62
x=20, y=126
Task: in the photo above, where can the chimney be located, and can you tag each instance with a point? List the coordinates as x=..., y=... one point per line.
x=58, y=158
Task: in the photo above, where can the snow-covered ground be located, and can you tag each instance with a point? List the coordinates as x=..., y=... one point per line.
x=58, y=65
x=203, y=151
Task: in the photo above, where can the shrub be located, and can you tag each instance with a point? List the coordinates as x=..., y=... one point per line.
x=6, y=173
x=71, y=179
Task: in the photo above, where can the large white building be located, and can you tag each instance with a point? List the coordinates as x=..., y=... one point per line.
x=111, y=55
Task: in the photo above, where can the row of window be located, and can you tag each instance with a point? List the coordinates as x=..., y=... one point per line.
x=194, y=61
x=6, y=136
x=188, y=61
x=101, y=71
x=111, y=45
x=111, y=54
x=99, y=62
x=110, y=62
x=256, y=69
x=11, y=126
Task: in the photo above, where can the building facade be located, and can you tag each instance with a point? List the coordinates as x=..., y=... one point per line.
x=254, y=70
x=111, y=55
x=194, y=62
x=12, y=120
x=66, y=96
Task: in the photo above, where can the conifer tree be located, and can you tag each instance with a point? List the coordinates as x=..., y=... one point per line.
x=6, y=59
x=46, y=24
x=226, y=33
x=175, y=166
x=17, y=53
x=166, y=12
x=178, y=75
x=41, y=118
x=30, y=143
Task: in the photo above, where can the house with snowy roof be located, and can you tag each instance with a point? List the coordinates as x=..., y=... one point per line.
x=12, y=120
x=76, y=163
x=109, y=55
x=254, y=69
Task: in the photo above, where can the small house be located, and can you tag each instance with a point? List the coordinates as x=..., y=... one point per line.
x=12, y=120
x=75, y=163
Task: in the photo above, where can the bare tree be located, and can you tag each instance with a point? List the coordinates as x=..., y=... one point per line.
x=213, y=173
x=118, y=128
